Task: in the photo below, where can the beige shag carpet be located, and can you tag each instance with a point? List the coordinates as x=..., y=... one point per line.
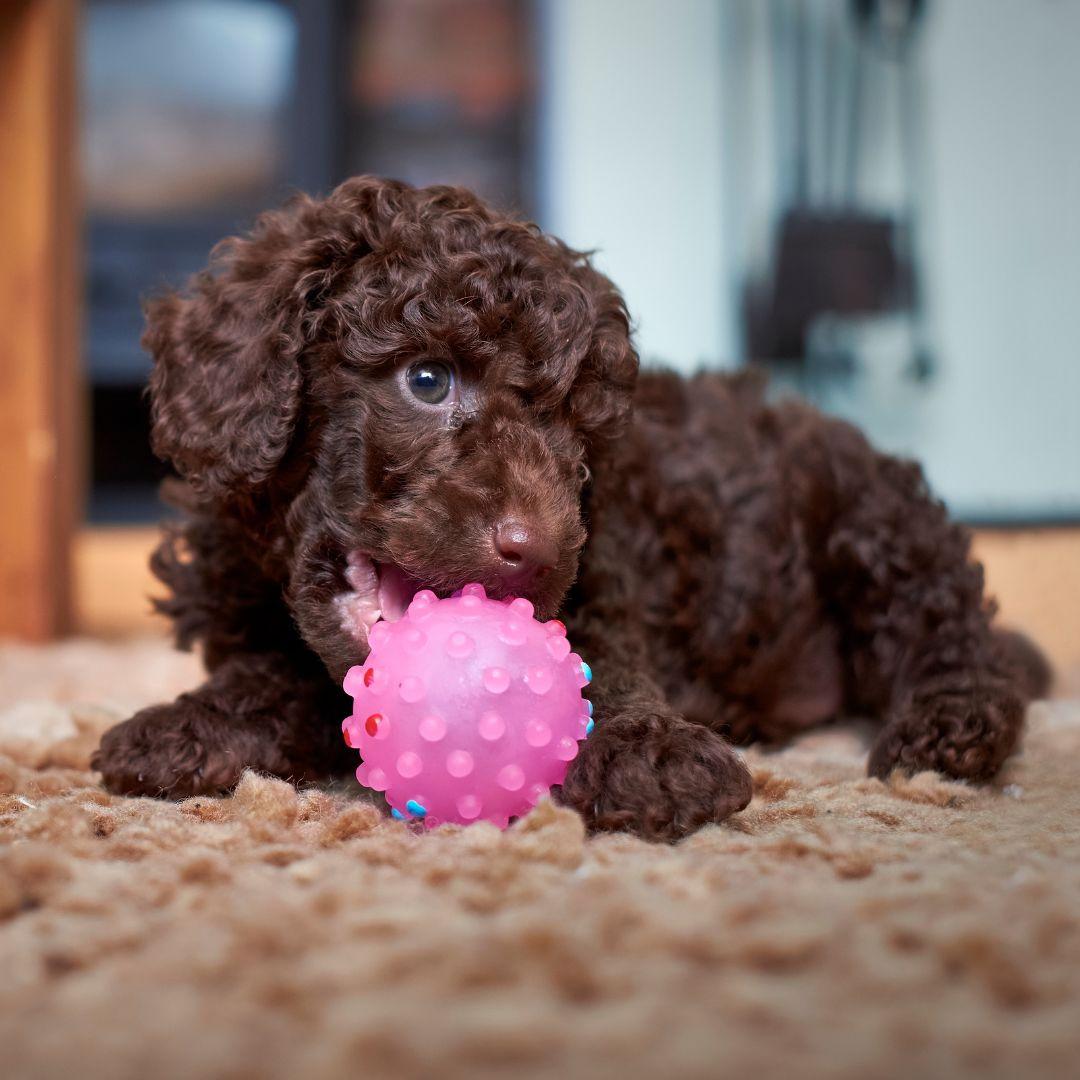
x=838, y=928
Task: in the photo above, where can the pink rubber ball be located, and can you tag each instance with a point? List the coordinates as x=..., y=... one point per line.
x=466, y=708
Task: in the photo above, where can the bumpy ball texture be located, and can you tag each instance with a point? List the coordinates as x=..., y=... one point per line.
x=466, y=708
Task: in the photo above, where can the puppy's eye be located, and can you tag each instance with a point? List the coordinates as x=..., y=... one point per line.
x=430, y=381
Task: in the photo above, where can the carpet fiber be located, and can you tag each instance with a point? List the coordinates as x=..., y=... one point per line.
x=839, y=927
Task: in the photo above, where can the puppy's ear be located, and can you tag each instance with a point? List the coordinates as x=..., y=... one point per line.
x=603, y=393
x=227, y=382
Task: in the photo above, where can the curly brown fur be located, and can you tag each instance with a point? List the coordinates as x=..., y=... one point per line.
x=734, y=570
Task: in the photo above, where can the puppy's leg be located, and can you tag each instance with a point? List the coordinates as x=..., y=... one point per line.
x=916, y=626
x=652, y=773
x=644, y=768
x=256, y=711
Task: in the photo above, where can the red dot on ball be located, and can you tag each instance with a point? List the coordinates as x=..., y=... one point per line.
x=369, y=676
x=371, y=724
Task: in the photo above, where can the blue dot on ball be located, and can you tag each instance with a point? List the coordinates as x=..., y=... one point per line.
x=396, y=814
x=587, y=672
x=415, y=808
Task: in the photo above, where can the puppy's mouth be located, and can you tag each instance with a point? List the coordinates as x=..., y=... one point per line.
x=377, y=590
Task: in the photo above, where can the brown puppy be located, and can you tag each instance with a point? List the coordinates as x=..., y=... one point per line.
x=397, y=386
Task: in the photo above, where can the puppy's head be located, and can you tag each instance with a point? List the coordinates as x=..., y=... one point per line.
x=393, y=388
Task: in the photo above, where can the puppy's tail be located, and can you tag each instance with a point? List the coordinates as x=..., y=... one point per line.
x=1031, y=665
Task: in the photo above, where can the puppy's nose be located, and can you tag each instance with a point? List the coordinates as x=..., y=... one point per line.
x=524, y=551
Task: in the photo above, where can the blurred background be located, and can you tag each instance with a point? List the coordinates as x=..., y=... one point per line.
x=873, y=199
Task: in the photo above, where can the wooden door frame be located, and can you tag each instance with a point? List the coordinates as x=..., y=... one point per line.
x=40, y=423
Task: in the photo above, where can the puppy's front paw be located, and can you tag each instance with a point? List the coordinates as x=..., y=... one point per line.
x=963, y=735
x=657, y=776
x=158, y=752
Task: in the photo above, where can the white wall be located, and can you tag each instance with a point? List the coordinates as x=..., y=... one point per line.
x=661, y=151
x=631, y=146
x=998, y=428
x=1003, y=251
